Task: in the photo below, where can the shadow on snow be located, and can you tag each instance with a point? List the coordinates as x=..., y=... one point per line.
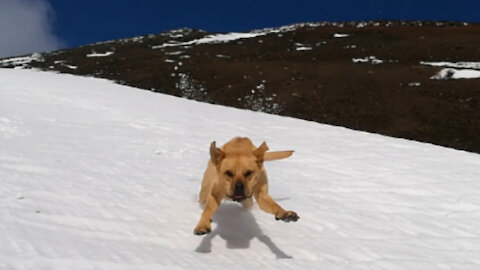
x=238, y=227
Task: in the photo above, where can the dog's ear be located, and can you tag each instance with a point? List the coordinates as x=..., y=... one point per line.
x=259, y=153
x=216, y=155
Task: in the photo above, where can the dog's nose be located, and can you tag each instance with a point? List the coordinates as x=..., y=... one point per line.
x=239, y=186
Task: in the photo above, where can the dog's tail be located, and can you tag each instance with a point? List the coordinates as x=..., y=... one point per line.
x=276, y=155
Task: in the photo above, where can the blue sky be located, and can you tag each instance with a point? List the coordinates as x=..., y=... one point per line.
x=75, y=22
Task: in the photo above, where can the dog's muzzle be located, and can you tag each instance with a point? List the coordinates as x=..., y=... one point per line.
x=239, y=192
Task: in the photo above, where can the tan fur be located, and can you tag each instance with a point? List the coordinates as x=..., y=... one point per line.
x=244, y=163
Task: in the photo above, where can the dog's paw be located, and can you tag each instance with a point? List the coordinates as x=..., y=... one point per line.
x=202, y=229
x=288, y=216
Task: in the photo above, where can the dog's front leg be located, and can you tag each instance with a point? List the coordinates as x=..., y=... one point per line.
x=204, y=225
x=267, y=204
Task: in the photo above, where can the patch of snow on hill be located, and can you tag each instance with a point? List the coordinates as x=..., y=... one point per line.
x=95, y=54
x=139, y=39
x=71, y=66
x=451, y=73
x=414, y=84
x=336, y=35
x=228, y=37
x=302, y=47
x=22, y=60
x=368, y=59
x=218, y=38
x=353, y=46
x=190, y=88
x=471, y=65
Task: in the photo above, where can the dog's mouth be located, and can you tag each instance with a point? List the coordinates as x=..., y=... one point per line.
x=238, y=197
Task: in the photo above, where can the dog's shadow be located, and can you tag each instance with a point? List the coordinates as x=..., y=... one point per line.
x=238, y=227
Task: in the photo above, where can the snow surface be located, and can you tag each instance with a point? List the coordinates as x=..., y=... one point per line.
x=95, y=175
x=452, y=73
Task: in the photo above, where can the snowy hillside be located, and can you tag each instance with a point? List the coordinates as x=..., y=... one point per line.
x=348, y=74
x=94, y=175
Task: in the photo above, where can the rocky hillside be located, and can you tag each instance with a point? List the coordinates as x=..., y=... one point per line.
x=415, y=80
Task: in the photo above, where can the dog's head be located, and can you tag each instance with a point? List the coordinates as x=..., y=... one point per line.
x=238, y=163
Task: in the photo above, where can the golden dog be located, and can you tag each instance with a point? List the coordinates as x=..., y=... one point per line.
x=236, y=172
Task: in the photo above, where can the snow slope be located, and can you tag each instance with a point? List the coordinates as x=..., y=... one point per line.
x=95, y=175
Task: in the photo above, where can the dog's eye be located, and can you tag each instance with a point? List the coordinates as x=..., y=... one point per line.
x=247, y=173
x=229, y=173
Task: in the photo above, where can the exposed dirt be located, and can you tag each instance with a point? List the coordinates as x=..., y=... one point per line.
x=309, y=73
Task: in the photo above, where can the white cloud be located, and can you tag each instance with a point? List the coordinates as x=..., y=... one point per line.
x=26, y=27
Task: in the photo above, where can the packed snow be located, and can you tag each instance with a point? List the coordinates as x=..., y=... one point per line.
x=95, y=175
x=452, y=73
